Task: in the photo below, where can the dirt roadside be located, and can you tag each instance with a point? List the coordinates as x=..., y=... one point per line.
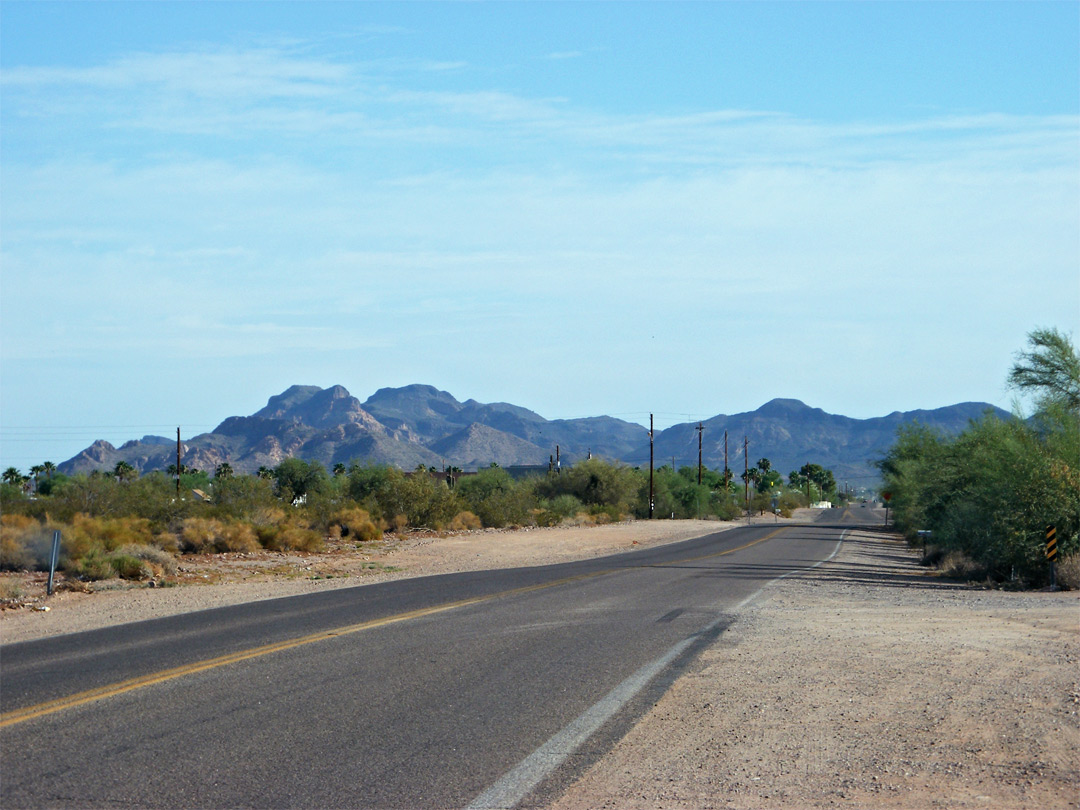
x=864, y=683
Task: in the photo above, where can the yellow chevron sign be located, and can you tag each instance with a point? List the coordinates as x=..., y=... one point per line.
x=1051, y=543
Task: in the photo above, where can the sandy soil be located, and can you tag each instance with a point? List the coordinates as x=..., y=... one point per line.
x=865, y=683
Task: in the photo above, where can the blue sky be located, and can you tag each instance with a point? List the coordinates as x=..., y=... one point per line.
x=621, y=208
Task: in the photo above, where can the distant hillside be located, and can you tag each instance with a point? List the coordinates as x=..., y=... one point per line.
x=404, y=427
x=791, y=434
x=419, y=424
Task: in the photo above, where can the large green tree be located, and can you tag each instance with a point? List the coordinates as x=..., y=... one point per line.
x=296, y=478
x=1049, y=369
x=990, y=492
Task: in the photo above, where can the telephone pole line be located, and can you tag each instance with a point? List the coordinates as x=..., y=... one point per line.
x=700, y=429
x=727, y=470
x=177, y=462
x=746, y=474
x=651, y=501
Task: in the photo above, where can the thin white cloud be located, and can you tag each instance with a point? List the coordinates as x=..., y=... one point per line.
x=209, y=74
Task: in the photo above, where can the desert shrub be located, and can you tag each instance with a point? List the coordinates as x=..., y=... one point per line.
x=18, y=523
x=10, y=589
x=268, y=516
x=160, y=561
x=298, y=538
x=207, y=535
x=355, y=523
x=14, y=555
x=17, y=533
x=496, y=498
x=594, y=482
x=932, y=556
x=92, y=495
x=399, y=524
x=464, y=521
x=958, y=565
x=423, y=500
x=199, y=534
x=243, y=497
x=371, y=486
x=237, y=537
x=127, y=566
x=320, y=510
x=990, y=492
x=92, y=565
x=112, y=533
x=167, y=542
x=269, y=537
x=605, y=513
x=1068, y=572
x=553, y=511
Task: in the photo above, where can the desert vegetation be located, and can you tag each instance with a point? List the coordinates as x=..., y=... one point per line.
x=120, y=523
x=987, y=496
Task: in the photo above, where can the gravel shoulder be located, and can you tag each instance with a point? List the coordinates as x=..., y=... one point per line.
x=864, y=683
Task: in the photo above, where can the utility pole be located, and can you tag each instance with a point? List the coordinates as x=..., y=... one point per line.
x=700, y=428
x=727, y=472
x=178, y=462
x=746, y=475
x=651, y=501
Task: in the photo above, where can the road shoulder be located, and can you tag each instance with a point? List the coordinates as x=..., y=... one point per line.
x=866, y=682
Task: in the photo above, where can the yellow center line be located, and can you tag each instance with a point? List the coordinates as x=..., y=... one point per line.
x=111, y=690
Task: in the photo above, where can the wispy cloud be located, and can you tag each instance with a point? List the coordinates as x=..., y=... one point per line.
x=272, y=201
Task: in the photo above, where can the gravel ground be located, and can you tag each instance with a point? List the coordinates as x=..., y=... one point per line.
x=865, y=683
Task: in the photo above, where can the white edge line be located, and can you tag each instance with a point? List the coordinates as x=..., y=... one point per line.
x=517, y=783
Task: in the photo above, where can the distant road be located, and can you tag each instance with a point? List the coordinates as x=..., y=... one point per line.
x=406, y=694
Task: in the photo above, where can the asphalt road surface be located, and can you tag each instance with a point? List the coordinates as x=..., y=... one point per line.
x=488, y=689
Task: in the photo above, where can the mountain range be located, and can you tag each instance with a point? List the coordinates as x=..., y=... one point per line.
x=419, y=424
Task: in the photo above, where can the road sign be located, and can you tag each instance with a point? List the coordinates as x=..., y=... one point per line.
x=1051, y=543
x=887, y=496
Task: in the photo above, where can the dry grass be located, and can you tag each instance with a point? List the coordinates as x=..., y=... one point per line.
x=1068, y=572
x=356, y=524
x=465, y=521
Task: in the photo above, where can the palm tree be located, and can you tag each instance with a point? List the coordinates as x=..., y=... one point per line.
x=224, y=470
x=49, y=468
x=12, y=476
x=764, y=465
x=265, y=472
x=124, y=471
x=339, y=469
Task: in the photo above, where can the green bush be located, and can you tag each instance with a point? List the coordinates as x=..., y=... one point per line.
x=989, y=493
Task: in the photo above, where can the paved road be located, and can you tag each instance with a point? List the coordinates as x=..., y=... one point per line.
x=407, y=694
